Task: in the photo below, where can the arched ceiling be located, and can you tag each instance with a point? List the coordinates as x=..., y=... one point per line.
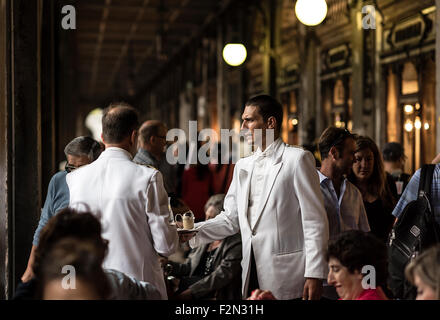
x=121, y=44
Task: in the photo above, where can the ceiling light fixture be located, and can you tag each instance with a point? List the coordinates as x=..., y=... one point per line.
x=234, y=54
x=311, y=12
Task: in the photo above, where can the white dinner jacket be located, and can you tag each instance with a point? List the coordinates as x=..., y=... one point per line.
x=131, y=202
x=290, y=235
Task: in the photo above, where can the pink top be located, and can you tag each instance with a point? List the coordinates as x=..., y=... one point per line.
x=372, y=294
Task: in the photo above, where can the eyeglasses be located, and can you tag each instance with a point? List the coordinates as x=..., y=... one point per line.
x=344, y=134
x=69, y=167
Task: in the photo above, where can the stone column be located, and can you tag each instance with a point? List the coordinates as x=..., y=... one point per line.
x=269, y=65
x=5, y=150
x=357, y=41
x=21, y=135
x=437, y=74
x=220, y=76
x=308, y=89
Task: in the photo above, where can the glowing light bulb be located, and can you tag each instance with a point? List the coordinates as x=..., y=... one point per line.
x=408, y=108
x=417, y=123
x=426, y=126
x=234, y=54
x=408, y=126
x=311, y=12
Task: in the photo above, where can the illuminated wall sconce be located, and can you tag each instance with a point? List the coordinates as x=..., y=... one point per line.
x=426, y=126
x=339, y=124
x=234, y=54
x=408, y=126
x=408, y=108
x=294, y=122
x=311, y=12
x=417, y=123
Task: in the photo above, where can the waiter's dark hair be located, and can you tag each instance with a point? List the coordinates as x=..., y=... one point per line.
x=119, y=120
x=267, y=107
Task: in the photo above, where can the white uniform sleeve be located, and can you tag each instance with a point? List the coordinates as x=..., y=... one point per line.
x=164, y=234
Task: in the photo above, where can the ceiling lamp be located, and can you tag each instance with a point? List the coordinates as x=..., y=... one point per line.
x=311, y=12
x=234, y=54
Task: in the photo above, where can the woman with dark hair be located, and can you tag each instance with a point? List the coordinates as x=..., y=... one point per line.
x=376, y=186
x=78, y=261
x=73, y=239
x=353, y=256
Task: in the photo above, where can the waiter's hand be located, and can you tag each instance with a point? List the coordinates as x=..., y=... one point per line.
x=312, y=289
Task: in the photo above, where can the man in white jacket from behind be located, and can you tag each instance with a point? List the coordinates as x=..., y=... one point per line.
x=129, y=199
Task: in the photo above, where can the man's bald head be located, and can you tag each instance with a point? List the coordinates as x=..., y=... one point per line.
x=151, y=128
x=118, y=122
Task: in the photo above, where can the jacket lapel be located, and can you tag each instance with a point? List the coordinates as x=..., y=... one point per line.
x=245, y=178
x=270, y=180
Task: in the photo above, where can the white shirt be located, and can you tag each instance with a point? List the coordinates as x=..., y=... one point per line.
x=258, y=179
x=346, y=212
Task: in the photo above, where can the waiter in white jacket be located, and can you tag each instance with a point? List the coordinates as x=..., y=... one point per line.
x=276, y=203
x=129, y=199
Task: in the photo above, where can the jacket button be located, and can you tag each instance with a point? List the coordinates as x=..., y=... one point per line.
x=254, y=233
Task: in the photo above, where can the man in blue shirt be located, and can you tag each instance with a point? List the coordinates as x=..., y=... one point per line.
x=412, y=189
x=80, y=151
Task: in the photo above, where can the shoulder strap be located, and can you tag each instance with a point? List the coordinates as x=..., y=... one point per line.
x=426, y=174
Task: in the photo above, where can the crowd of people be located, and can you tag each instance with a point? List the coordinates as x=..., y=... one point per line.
x=271, y=226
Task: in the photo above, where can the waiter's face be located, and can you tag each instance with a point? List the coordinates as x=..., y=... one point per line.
x=252, y=120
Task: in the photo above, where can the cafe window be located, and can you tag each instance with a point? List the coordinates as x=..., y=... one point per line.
x=336, y=102
x=411, y=110
x=290, y=116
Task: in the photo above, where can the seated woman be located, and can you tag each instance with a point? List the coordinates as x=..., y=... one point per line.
x=73, y=238
x=424, y=273
x=72, y=270
x=211, y=271
x=347, y=256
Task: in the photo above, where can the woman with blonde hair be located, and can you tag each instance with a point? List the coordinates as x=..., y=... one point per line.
x=424, y=273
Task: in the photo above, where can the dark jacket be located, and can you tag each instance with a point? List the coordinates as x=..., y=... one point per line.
x=225, y=279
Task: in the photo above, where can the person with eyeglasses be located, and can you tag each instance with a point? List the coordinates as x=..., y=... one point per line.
x=342, y=200
x=152, y=143
x=129, y=200
x=79, y=152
